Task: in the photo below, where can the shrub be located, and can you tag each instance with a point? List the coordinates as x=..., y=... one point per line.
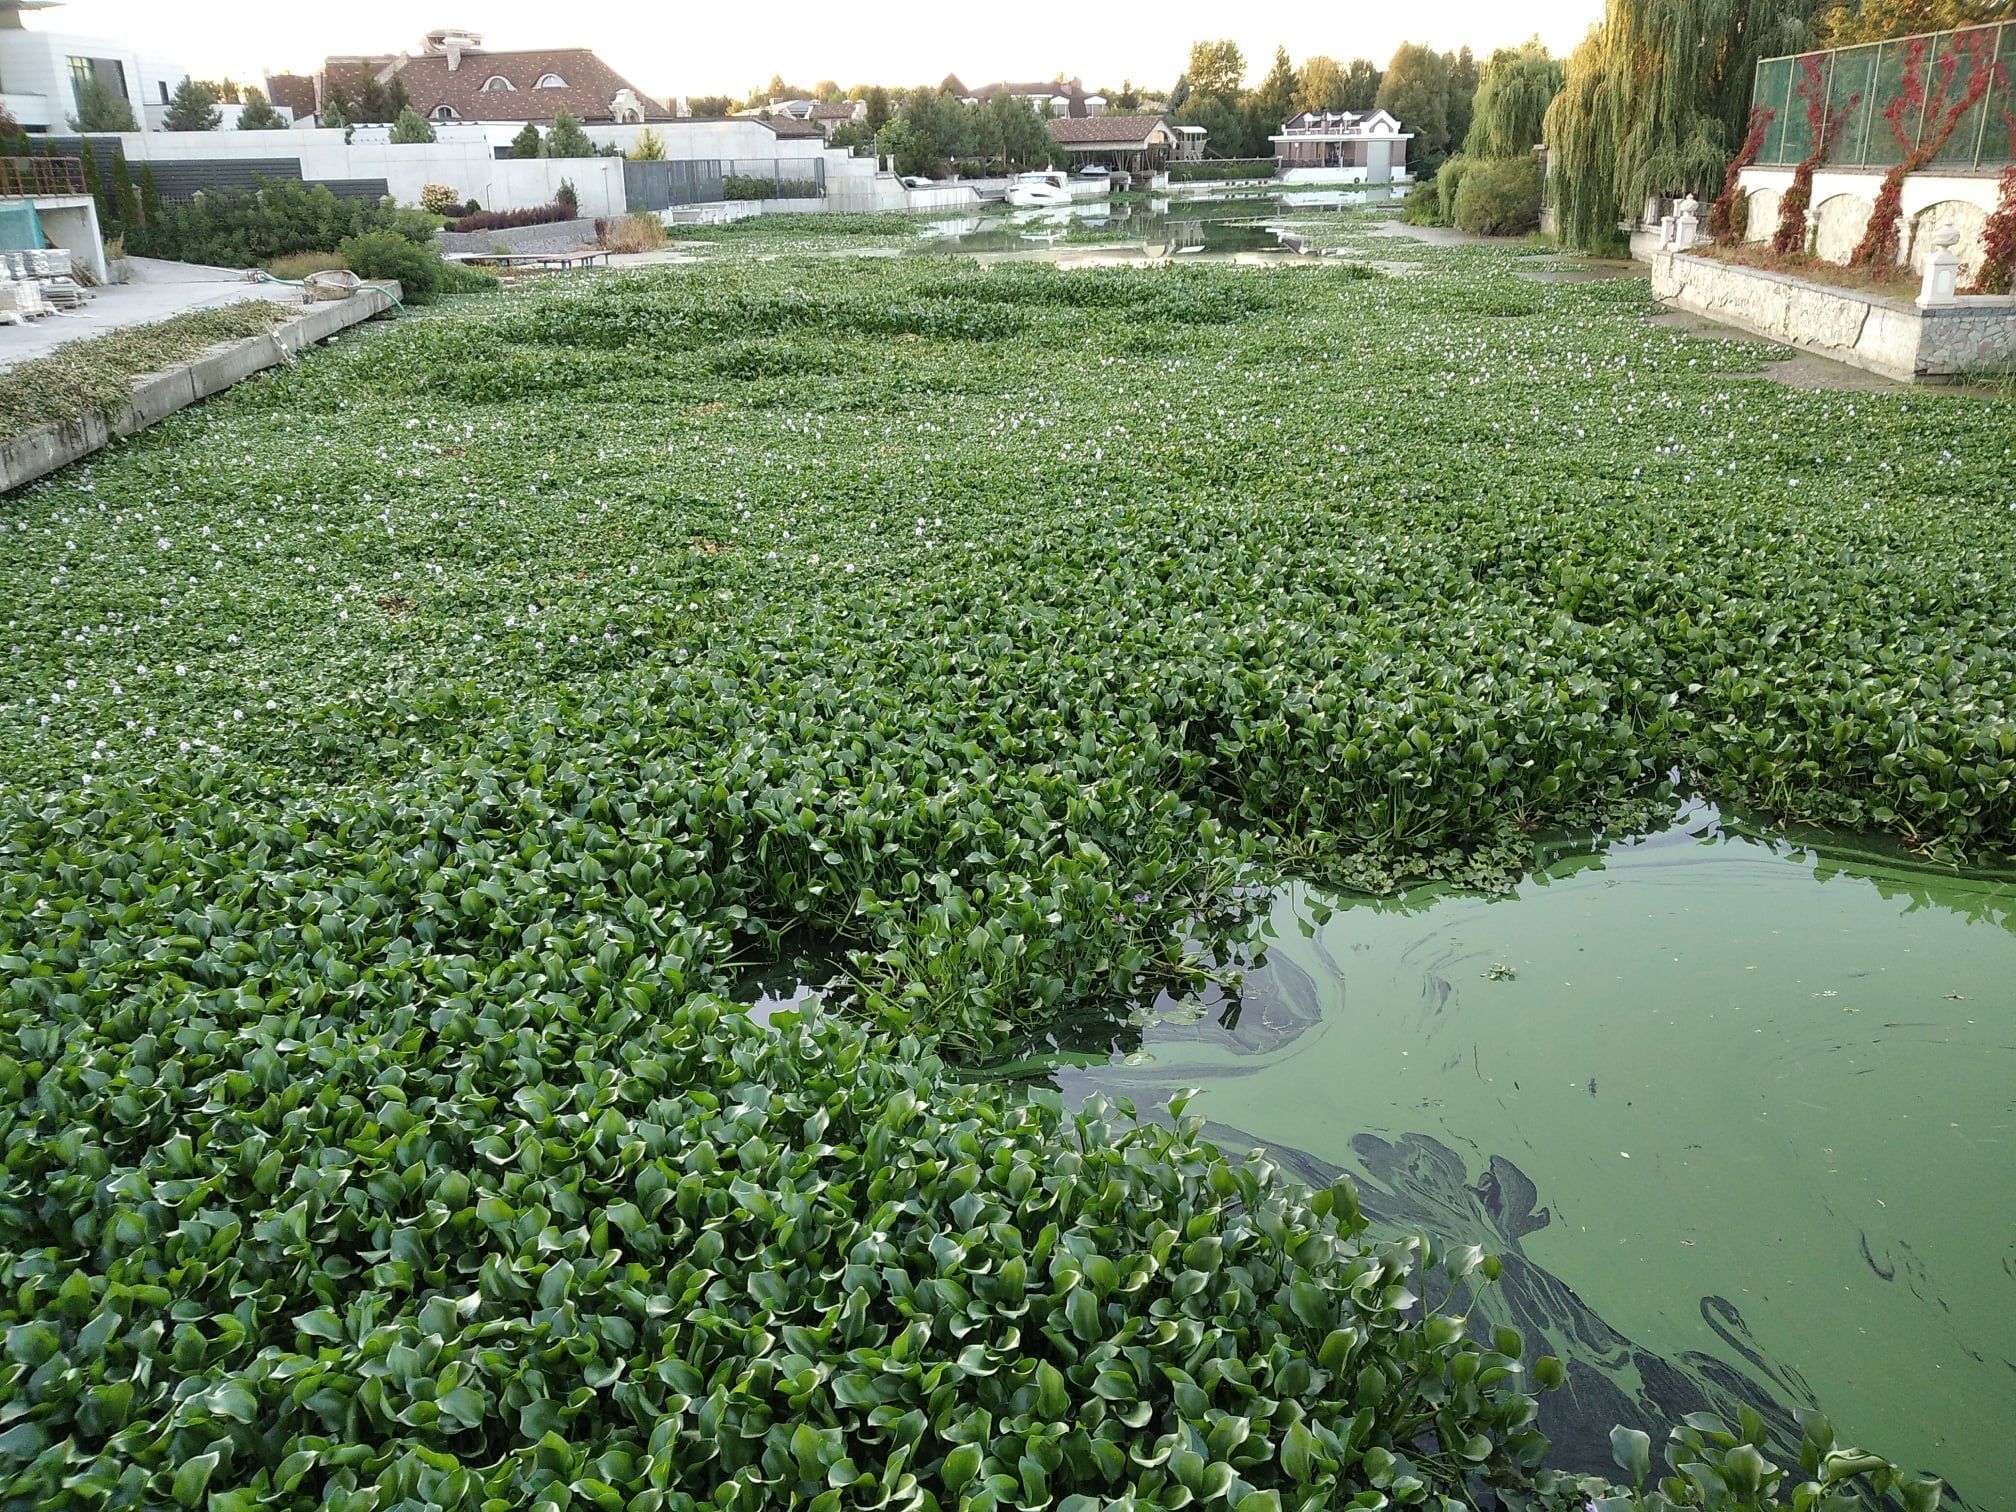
x=527, y=143
x=743, y=187
x=649, y=148
x=242, y=228
x=1423, y=206
x=439, y=199
x=1447, y=182
x=1224, y=168
x=508, y=220
x=641, y=232
x=566, y=198
x=384, y=254
x=296, y=266
x=461, y=278
x=1500, y=197
x=566, y=139
x=470, y=207
x=411, y=130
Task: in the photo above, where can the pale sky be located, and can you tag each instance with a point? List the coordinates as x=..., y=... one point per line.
x=690, y=47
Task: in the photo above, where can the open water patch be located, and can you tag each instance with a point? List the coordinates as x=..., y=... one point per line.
x=1739, y=1110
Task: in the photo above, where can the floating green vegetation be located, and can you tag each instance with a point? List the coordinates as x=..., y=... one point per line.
x=98, y=372
x=398, y=751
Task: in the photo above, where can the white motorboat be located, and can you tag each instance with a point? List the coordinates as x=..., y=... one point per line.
x=1033, y=189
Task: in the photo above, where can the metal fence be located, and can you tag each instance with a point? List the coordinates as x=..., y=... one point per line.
x=700, y=181
x=29, y=177
x=1888, y=98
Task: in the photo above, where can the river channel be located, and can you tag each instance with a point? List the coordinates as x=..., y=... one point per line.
x=1740, y=1112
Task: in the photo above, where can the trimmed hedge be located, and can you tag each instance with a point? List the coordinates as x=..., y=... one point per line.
x=740, y=187
x=1224, y=168
x=511, y=220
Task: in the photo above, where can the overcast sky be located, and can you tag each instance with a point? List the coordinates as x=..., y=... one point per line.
x=688, y=47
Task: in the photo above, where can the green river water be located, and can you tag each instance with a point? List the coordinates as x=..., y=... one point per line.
x=1740, y=1114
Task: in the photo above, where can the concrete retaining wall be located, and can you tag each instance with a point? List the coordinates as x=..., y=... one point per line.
x=37, y=453
x=1899, y=339
x=554, y=236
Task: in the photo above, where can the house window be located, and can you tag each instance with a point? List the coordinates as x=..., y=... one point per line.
x=550, y=81
x=162, y=85
x=444, y=112
x=498, y=84
x=109, y=72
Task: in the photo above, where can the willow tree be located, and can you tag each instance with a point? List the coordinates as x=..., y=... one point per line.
x=1517, y=86
x=1655, y=101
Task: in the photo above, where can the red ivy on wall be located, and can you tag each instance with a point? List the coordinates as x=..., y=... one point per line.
x=1722, y=214
x=1942, y=111
x=1826, y=127
x=1998, y=237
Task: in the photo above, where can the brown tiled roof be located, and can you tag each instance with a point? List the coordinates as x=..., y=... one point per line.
x=591, y=85
x=791, y=126
x=295, y=91
x=833, y=110
x=1091, y=131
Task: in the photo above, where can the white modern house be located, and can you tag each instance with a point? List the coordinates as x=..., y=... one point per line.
x=1342, y=147
x=40, y=71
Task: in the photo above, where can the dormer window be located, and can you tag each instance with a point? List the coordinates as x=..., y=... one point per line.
x=498, y=84
x=550, y=81
x=443, y=112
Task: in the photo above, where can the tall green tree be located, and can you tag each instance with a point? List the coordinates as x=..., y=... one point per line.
x=1463, y=77
x=102, y=108
x=1362, y=78
x=527, y=143
x=1655, y=101
x=876, y=98
x=258, y=113
x=1513, y=93
x=94, y=183
x=193, y=107
x=1415, y=91
x=1216, y=67
x=125, y=198
x=1320, y=84
x=412, y=129
x=151, y=207
x=1273, y=100
x=566, y=139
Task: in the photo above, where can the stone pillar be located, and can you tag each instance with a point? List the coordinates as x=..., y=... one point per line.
x=1687, y=224
x=1942, y=271
x=1666, y=233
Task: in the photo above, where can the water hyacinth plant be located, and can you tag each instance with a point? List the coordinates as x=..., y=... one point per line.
x=404, y=755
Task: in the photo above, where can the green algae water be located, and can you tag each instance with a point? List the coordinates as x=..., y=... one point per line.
x=1741, y=1115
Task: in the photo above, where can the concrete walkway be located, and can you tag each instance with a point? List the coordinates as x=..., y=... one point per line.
x=155, y=291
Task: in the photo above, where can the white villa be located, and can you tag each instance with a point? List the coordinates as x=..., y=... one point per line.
x=40, y=72
x=1342, y=147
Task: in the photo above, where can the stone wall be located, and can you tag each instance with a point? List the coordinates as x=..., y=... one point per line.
x=1890, y=336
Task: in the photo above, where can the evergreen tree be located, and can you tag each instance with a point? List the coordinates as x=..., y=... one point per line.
x=1216, y=67
x=879, y=108
x=101, y=108
x=258, y=113
x=193, y=107
x=566, y=139
x=527, y=144
x=151, y=208
x=410, y=129
x=649, y=147
x=125, y=198
x=94, y=184
x=1463, y=77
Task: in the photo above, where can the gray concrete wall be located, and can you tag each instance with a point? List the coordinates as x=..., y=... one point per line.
x=1894, y=337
